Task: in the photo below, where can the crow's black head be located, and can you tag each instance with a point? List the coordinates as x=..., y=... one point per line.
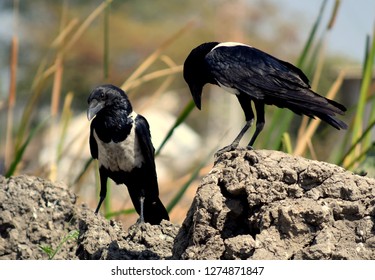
x=107, y=97
x=196, y=73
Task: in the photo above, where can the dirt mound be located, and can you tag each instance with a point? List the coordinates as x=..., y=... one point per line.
x=33, y=213
x=103, y=239
x=270, y=205
x=252, y=205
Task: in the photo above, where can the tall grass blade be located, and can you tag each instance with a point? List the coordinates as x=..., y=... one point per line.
x=334, y=14
x=354, y=161
x=85, y=24
x=107, y=201
x=66, y=116
x=62, y=36
x=56, y=94
x=110, y=215
x=106, y=42
x=9, y=147
x=59, y=63
x=311, y=68
x=52, y=252
x=365, y=133
x=154, y=75
x=154, y=56
x=193, y=176
x=35, y=94
x=19, y=153
x=163, y=86
x=56, y=86
x=281, y=120
x=368, y=80
x=310, y=40
x=287, y=143
x=363, y=96
x=83, y=171
x=181, y=118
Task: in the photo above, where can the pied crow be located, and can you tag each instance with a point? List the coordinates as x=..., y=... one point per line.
x=253, y=75
x=120, y=139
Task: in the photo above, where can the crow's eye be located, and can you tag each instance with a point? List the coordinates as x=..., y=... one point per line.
x=102, y=95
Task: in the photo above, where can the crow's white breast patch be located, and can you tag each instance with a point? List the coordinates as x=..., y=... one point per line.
x=121, y=156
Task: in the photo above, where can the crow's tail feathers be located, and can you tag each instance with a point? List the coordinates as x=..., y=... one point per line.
x=314, y=105
x=328, y=111
x=336, y=123
x=340, y=109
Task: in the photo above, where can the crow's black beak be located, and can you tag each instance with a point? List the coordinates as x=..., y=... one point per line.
x=94, y=107
x=196, y=92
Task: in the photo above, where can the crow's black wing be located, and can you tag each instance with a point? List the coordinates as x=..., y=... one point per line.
x=142, y=131
x=154, y=210
x=255, y=73
x=270, y=80
x=93, y=144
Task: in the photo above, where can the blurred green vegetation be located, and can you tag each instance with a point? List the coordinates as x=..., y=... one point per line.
x=59, y=50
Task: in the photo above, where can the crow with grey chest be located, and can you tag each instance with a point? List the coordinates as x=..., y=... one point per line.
x=255, y=76
x=120, y=139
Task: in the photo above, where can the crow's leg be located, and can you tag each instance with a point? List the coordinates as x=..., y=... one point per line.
x=259, y=108
x=141, y=212
x=245, y=103
x=237, y=140
x=103, y=187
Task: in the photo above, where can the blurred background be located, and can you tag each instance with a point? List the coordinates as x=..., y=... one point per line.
x=53, y=53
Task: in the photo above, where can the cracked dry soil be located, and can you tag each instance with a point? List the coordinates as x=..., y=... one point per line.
x=252, y=205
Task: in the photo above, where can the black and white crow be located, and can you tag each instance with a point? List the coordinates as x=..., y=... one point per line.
x=120, y=139
x=253, y=75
